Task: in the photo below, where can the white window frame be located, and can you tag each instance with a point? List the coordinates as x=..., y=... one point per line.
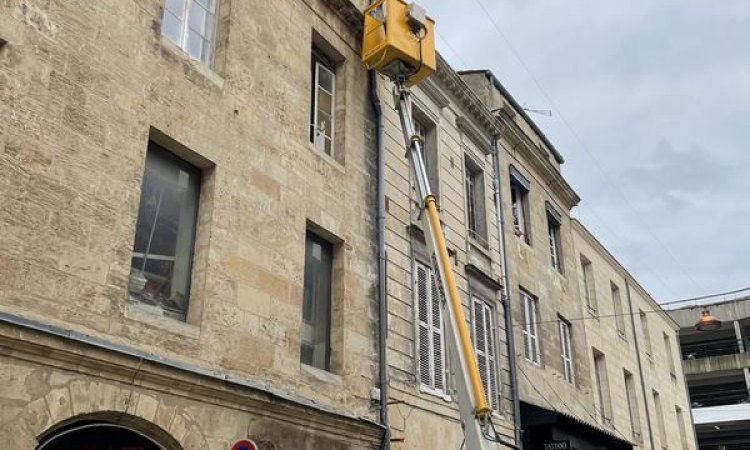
x=660, y=418
x=433, y=327
x=589, y=290
x=485, y=323
x=210, y=7
x=319, y=138
x=518, y=209
x=632, y=399
x=566, y=350
x=617, y=308
x=553, y=231
x=530, y=328
x=476, y=224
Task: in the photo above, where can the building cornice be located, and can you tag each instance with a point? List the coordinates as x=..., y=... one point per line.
x=467, y=99
x=538, y=159
x=73, y=351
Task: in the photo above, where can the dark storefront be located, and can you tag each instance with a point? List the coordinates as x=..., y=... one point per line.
x=550, y=430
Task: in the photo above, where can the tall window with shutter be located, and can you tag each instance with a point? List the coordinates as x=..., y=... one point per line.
x=566, y=350
x=634, y=414
x=530, y=332
x=589, y=291
x=429, y=341
x=617, y=308
x=485, y=346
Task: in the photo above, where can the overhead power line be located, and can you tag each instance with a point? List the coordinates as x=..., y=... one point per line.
x=650, y=311
x=577, y=137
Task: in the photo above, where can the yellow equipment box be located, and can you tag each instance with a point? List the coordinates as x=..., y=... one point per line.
x=399, y=40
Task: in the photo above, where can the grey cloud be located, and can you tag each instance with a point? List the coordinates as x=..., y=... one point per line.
x=659, y=91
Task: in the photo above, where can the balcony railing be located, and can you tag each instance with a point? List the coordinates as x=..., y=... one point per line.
x=716, y=347
x=716, y=397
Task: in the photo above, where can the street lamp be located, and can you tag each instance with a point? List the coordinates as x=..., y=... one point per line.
x=707, y=322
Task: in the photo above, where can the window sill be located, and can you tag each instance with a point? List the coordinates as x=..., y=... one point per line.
x=329, y=159
x=154, y=316
x=435, y=392
x=532, y=362
x=481, y=247
x=321, y=375
x=194, y=64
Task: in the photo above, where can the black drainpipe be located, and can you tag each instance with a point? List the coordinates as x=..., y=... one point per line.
x=382, y=260
x=640, y=365
x=506, y=302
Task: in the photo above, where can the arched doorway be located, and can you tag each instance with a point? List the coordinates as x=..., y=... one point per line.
x=100, y=435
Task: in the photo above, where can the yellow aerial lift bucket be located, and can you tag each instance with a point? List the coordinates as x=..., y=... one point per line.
x=399, y=41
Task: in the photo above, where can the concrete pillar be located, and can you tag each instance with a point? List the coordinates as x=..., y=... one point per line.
x=741, y=345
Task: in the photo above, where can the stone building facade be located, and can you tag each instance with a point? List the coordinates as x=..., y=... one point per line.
x=638, y=387
x=189, y=242
x=577, y=311
x=457, y=130
x=127, y=123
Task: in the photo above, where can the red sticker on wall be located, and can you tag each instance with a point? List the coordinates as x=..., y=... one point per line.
x=245, y=445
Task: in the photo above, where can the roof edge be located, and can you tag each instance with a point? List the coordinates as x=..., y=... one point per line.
x=491, y=76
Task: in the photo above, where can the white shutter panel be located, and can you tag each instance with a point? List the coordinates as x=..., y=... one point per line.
x=484, y=345
x=437, y=336
x=491, y=357
x=422, y=294
x=526, y=325
x=480, y=342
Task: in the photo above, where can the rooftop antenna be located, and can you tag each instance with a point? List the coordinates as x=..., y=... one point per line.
x=543, y=112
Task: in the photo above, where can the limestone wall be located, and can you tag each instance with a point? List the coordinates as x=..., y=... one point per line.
x=85, y=85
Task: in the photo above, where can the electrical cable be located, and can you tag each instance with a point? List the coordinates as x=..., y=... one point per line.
x=583, y=145
x=590, y=209
x=650, y=311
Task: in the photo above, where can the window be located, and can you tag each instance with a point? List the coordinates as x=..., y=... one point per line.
x=431, y=362
x=681, y=427
x=646, y=332
x=530, y=332
x=323, y=99
x=190, y=25
x=427, y=130
x=566, y=350
x=668, y=353
x=165, y=233
x=660, y=419
x=519, y=192
x=589, y=292
x=617, y=308
x=315, y=333
x=553, y=236
x=602, y=387
x=485, y=347
x=634, y=414
x=475, y=205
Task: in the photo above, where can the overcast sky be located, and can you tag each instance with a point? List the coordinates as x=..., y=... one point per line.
x=658, y=94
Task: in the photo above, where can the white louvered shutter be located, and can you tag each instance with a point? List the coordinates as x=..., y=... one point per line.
x=430, y=345
x=484, y=346
x=438, y=356
x=422, y=297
